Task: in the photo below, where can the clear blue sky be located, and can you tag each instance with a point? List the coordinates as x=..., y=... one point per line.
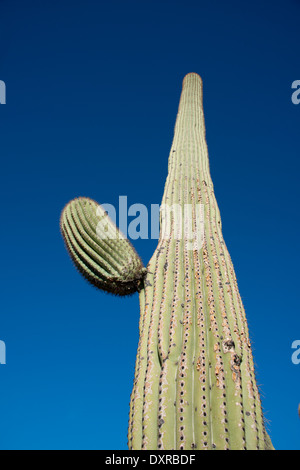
x=92, y=96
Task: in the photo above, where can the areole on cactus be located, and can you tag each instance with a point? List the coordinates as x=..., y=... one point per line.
x=194, y=385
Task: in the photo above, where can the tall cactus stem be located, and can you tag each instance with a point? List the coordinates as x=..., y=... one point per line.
x=194, y=385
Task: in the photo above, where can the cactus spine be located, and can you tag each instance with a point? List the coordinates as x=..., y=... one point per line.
x=194, y=385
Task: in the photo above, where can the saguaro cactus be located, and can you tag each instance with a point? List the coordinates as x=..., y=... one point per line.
x=194, y=385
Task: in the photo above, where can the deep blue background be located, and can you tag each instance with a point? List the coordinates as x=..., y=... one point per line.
x=92, y=95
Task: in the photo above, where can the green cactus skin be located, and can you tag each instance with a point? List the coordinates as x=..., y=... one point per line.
x=194, y=385
x=99, y=250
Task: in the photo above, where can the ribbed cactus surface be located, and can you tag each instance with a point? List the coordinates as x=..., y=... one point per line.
x=194, y=385
x=99, y=251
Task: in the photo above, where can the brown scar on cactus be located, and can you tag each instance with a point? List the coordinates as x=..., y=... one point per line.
x=194, y=383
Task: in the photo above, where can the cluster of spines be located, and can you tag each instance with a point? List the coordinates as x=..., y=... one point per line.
x=194, y=384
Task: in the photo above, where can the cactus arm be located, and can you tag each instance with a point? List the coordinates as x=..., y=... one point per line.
x=99, y=250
